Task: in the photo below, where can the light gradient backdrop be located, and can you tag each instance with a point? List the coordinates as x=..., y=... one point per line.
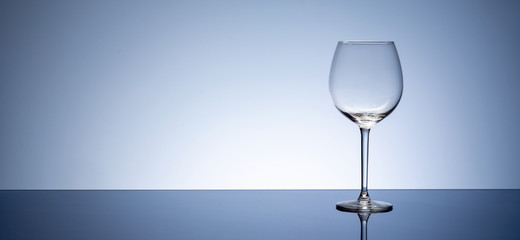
x=234, y=95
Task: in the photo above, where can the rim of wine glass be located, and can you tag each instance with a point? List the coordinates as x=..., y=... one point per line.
x=376, y=42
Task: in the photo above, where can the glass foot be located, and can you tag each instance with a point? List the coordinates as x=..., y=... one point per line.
x=370, y=206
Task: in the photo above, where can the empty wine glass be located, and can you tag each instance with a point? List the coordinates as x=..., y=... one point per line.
x=366, y=85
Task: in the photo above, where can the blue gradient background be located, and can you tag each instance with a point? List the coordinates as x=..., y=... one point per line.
x=234, y=94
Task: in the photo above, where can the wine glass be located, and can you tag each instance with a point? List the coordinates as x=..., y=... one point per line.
x=366, y=84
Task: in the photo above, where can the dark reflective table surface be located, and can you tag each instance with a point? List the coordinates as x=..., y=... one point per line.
x=256, y=214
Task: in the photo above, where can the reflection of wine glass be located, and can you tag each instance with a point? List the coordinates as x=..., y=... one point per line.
x=363, y=219
x=366, y=85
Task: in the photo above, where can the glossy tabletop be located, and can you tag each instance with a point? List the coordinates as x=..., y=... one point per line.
x=256, y=214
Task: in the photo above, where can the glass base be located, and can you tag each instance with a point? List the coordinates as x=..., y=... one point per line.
x=369, y=206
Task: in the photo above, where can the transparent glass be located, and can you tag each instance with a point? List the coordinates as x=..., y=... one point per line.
x=366, y=84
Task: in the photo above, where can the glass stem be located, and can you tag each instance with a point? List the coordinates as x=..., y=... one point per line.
x=363, y=196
